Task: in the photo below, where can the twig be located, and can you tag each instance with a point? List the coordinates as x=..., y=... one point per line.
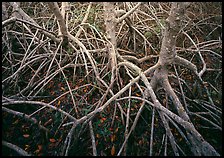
x=93, y=138
x=84, y=20
x=169, y=134
x=25, y=116
x=181, y=89
x=207, y=120
x=165, y=146
x=128, y=13
x=127, y=121
x=42, y=104
x=15, y=148
x=68, y=140
x=132, y=128
x=161, y=144
x=151, y=133
x=199, y=53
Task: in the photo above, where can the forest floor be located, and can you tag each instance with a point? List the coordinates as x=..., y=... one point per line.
x=109, y=129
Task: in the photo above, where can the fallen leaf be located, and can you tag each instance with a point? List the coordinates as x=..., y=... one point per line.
x=60, y=139
x=26, y=135
x=52, y=140
x=102, y=119
x=40, y=147
x=48, y=122
x=85, y=90
x=62, y=89
x=140, y=142
x=112, y=137
x=116, y=130
x=97, y=135
x=138, y=94
x=112, y=151
x=111, y=129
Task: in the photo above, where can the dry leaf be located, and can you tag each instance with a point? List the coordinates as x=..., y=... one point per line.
x=116, y=130
x=38, y=150
x=85, y=90
x=52, y=92
x=102, y=119
x=59, y=102
x=40, y=147
x=26, y=135
x=48, y=122
x=140, y=142
x=111, y=129
x=52, y=140
x=112, y=151
x=97, y=135
x=27, y=147
x=112, y=138
x=138, y=94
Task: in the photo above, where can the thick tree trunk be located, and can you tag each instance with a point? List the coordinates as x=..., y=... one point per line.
x=167, y=56
x=109, y=18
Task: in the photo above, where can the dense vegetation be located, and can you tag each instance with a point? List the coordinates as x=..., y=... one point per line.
x=111, y=78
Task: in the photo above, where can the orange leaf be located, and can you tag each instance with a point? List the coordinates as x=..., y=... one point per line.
x=97, y=135
x=112, y=151
x=26, y=135
x=112, y=138
x=85, y=90
x=40, y=147
x=111, y=129
x=52, y=92
x=138, y=94
x=52, y=140
x=59, y=102
x=48, y=122
x=102, y=119
x=116, y=130
x=140, y=142
x=60, y=139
